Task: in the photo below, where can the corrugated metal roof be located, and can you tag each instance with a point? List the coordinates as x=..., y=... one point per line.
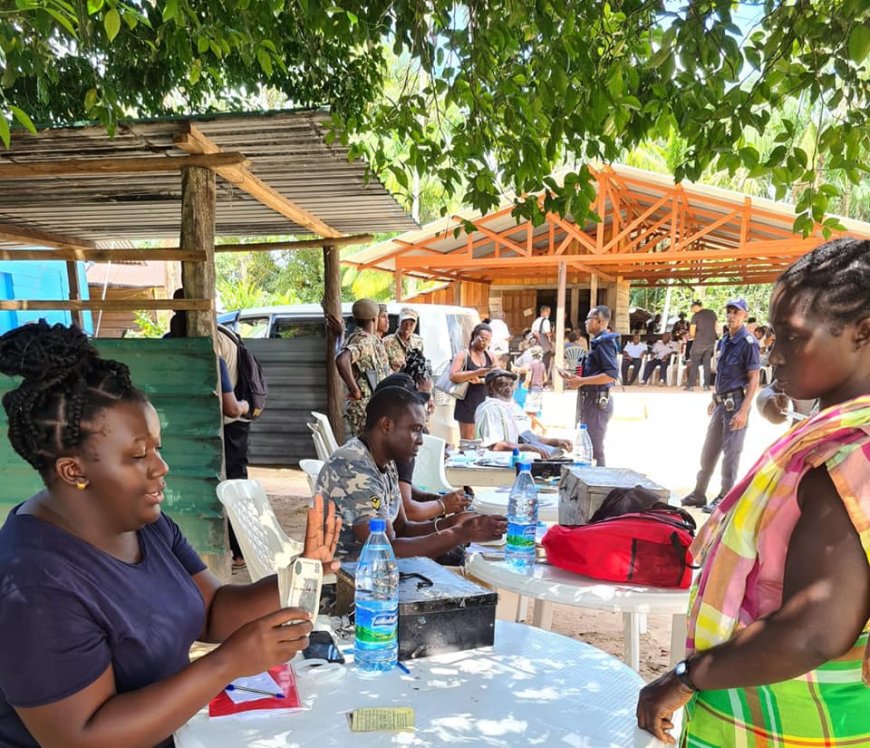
x=286, y=149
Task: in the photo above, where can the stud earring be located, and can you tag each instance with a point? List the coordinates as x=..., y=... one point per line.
x=81, y=485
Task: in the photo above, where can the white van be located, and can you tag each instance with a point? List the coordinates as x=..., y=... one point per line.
x=445, y=330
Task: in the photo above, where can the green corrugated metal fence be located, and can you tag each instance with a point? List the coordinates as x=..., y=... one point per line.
x=179, y=378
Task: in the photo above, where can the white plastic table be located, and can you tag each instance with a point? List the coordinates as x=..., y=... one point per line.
x=495, y=501
x=532, y=688
x=548, y=584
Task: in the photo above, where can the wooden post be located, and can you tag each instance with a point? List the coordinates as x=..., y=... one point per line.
x=457, y=292
x=559, y=347
x=197, y=233
x=75, y=293
x=398, y=276
x=575, y=308
x=198, y=282
x=593, y=290
x=332, y=305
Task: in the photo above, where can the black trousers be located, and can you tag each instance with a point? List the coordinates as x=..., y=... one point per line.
x=596, y=421
x=236, y=459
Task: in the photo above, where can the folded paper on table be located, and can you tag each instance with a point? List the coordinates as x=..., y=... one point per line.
x=279, y=678
x=382, y=719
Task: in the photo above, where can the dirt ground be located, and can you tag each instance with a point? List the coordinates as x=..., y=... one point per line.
x=656, y=431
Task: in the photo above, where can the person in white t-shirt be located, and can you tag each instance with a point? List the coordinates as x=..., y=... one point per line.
x=661, y=357
x=631, y=356
x=543, y=329
x=500, y=346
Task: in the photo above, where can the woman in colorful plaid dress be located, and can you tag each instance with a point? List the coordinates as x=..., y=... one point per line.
x=780, y=614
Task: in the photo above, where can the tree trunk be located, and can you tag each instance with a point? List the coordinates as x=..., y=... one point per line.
x=332, y=305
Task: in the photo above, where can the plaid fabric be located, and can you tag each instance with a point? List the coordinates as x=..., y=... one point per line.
x=829, y=706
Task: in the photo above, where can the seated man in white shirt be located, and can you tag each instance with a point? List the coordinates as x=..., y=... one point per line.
x=501, y=424
x=631, y=356
x=661, y=357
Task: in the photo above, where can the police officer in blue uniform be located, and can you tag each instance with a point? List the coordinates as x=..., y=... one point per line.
x=594, y=402
x=737, y=377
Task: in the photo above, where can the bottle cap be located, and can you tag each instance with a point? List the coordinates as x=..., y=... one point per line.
x=377, y=524
x=525, y=464
x=583, y=427
x=516, y=450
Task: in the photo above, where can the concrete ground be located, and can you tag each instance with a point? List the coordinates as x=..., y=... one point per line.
x=655, y=430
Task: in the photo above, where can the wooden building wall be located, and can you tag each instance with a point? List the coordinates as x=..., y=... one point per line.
x=470, y=294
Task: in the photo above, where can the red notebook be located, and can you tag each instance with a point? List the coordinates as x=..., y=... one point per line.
x=285, y=682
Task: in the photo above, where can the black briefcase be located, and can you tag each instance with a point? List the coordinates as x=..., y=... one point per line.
x=439, y=610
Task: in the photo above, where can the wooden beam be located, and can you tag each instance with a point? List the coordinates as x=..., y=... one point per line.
x=194, y=141
x=332, y=305
x=338, y=241
x=96, y=166
x=559, y=352
x=197, y=234
x=782, y=249
x=75, y=292
x=108, y=305
x=28, y=235
x=583, y=268
x=104, y=255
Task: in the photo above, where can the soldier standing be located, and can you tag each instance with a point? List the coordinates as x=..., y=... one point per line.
x=403, y=340
x=362, y=363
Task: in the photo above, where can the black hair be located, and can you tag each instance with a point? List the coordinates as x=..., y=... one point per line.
x=479, y=328
x=697, y=302
x=750, y=320
x=397, y=379
x=574, y=336
x=602, y=310
x=835, y=277
x=417, y=366
x=389, y=402
x=65, y=384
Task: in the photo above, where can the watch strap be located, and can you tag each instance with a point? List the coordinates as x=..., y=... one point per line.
x=682, y=672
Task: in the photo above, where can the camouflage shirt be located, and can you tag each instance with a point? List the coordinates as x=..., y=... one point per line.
x=360, y=490
x=369, y=365
x=397, y=349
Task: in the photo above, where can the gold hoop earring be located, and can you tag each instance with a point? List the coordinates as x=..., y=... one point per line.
x=81, y=485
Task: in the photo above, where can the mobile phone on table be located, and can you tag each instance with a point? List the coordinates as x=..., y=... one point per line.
x=321, y=646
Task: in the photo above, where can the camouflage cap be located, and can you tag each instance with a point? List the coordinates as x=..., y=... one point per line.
x=364, y=309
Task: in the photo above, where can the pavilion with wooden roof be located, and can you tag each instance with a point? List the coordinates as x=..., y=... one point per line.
x=652, y=232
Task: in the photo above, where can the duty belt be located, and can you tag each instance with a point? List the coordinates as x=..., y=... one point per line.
x=721, y=397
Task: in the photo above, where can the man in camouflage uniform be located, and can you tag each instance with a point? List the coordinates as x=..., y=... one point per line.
x=362, y=363
x=361, y=478
x=403, y=340
x=382, y=327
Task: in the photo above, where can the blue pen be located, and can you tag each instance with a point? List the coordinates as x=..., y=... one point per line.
x=403, y=667
x=234, y=687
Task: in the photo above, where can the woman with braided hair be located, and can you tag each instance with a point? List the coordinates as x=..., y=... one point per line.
x=102, y=595
x=779, y=617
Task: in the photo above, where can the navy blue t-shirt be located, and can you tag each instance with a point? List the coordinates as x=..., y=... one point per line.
x=738, y=356
x=70, y=610
x=602, y=358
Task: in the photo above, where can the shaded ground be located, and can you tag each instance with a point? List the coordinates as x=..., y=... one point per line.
x=656, y=431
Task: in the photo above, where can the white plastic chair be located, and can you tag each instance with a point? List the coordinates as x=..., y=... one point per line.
x=265, y=546
x=311, y=468
x=319, y=446
x=429, y=474
x=325, y=428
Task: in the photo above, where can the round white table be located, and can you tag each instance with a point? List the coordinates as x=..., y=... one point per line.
x=532, y=688
x=549, y=584
x=495, y=501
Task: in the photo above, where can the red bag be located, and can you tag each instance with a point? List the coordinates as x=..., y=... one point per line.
x=647, y=548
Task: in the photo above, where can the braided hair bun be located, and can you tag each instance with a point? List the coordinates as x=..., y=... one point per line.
x=40, y=352
x=64, y=385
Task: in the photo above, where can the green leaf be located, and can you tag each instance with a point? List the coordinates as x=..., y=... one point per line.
x=95, y=6
x=23, y=118
x=859, y=43
x=4, y=130
x=170, y=10
x=265, y=61
x=63, y=20
x=112, y=23
x=90, y=99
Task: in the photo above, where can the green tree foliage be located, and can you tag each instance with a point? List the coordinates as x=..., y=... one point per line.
x=501, y=91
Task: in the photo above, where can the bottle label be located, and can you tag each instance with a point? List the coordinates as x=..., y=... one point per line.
x=521, y=535
x=378, y=626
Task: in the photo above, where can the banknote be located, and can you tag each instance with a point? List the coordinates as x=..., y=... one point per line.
x=299, y=585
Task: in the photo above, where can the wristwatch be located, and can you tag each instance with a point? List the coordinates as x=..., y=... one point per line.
x=681, y=670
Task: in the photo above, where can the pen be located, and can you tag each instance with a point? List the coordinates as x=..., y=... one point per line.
x=234, y=687
x=403, y=667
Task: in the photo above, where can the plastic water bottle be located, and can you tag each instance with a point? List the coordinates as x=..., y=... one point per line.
x=522, y=520
x=582, y=446
x=376, y=646
x=515, y=457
